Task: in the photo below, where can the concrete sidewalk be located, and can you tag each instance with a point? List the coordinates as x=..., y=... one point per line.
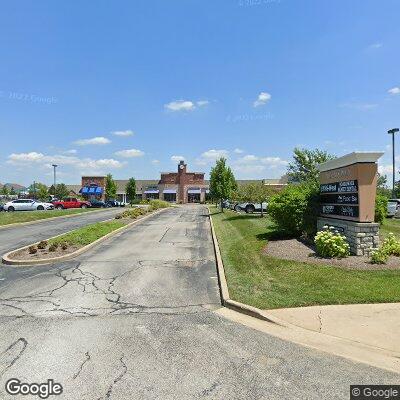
x=376, y=325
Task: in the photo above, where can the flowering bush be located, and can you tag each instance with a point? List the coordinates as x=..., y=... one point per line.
x=390, y=247
x=331, y=244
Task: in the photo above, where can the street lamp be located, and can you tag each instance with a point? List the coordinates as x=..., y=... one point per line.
x=392, y=132
x=55, y=166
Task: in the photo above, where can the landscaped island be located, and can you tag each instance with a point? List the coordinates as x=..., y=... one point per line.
x=265, y=282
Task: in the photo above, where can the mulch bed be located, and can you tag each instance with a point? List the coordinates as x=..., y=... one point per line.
x=296, y=250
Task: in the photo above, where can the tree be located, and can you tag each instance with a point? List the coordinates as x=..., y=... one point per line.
x=61, y=191
x=381, y=186
x=111, y=187
x=222, y=181
x=39, y=191
x=254, y=193
x=304, y=165
x=12, y=191
x=4, y=191
x=131, y=190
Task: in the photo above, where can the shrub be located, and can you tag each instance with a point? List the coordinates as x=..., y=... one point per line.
x=157, y=204
x=42, y=245
x=379, y=256
x=32, y=250
x=331, y=244
x=118, y=216
x=64, y=245
x=381, y=204
x=53, y=247
x=295, y=209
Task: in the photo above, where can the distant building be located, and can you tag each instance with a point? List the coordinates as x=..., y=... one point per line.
x=176, y=187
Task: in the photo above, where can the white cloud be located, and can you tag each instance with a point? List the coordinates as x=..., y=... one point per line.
x=180, y=105
x=253, y=166
x=238, y=151
x=123, y=133
x=177, y=158
x=395, y=90
x=72, y=151
x=273, y=162
x=155, y=162
x=385, y=169
x=375, y=45
x=129, y=153
x=249, y=169
x=262, y=99
x=35, y=160
x=98, y=140
x=201, y=103
x=359, y=106
x=214, y=154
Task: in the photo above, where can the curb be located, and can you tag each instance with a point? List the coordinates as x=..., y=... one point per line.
x=224, y=291
x=8, y=261
x=47, y=219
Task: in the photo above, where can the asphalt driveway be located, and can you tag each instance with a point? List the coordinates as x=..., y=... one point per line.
x=133, y=319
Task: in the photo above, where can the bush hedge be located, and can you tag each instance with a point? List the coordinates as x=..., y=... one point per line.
x=295, y=209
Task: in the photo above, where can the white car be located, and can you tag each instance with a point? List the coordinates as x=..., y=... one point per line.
x=250, y=207
x=392, y=208
x=27, y=205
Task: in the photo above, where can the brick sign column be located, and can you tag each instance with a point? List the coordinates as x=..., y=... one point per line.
x=347, y=199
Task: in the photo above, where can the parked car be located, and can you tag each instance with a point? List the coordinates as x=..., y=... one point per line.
x=27, y=205
x=71, y=202
x=98, y=204
x=392, y=208
x=115, y=203
x=1, y=207
x=250, y=207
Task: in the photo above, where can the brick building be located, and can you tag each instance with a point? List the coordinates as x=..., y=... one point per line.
x=177, y=187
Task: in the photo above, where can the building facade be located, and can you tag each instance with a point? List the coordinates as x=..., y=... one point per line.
x=180, y=187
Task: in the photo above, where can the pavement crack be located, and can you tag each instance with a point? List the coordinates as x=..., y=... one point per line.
x=320, y=320
x=118, y=378
x=19, y=346
x=163, y=236
x=87, y=359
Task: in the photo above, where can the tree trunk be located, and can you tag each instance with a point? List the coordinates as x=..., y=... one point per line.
x=222, y=208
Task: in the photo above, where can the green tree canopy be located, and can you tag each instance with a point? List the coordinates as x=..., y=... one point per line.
x=61, y=191
x=4, y=191
x=131, y=190
x=12, y=191
x=111, y=187
x=39, y=191
x=222, y=181
x=304, y=165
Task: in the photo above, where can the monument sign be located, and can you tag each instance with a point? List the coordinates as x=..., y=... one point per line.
x=347, y=198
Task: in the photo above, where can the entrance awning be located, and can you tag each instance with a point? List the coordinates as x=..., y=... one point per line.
x=91, y=190
x=151, y=191
x=194, y=191
x=169, y=191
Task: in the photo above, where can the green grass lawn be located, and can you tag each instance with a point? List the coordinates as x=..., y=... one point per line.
x=264, y=282
x=89, y=234
x=7, y=218
x=390, y=225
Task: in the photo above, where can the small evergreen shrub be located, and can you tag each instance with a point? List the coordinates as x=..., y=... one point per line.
x=331, y=244
x=118, y=216
x=64, y=245
x=32, y=250
x=42, y=245
x=157, y=204
x=381, y=203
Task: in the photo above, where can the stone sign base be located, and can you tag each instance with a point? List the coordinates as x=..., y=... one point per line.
x=362, y=236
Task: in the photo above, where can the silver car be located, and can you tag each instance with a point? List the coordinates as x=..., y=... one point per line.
x=251, y=207
x=27, y=205
x=392, y=208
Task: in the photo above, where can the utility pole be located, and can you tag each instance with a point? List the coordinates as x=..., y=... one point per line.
x=55, y=178
x=392, y=132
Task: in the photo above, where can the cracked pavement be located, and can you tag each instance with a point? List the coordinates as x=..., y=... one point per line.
x=133, y=319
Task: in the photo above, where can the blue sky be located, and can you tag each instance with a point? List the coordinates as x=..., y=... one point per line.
x=248, y=79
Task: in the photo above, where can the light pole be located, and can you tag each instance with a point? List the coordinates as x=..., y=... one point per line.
x=392, y=132
x=55, y=180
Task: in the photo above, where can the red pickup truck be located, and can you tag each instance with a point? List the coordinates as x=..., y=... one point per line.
x=70, y=202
